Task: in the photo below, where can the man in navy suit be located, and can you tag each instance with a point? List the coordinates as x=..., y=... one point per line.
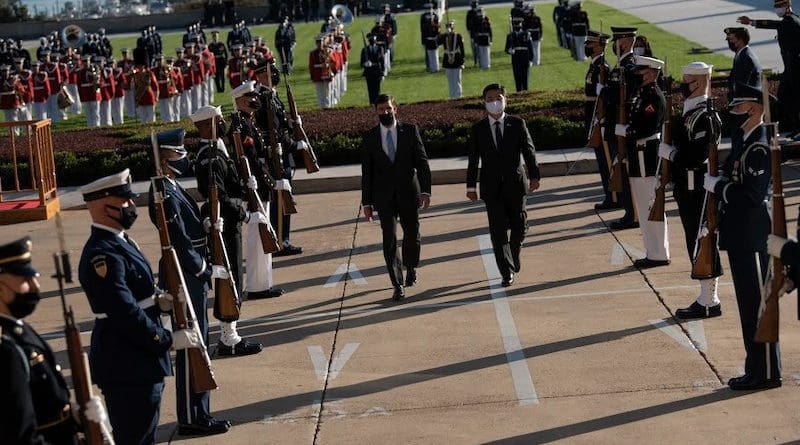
x=496, y=143
x=396, y=181
x=746, y=67
x=129, y=353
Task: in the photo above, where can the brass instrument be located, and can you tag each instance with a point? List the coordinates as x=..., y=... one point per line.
x=73, y=36
x=342, y=14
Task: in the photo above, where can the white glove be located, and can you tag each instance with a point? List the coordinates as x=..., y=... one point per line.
x=207, y=224
x=299, y=121
x=710, y=182
x=261, y=218
x=367, y=64
x=185, y=339
x=702, y=233
x=219, y=225
x=666, y=151
x=283, y=184
x=301, y=145
x=775, y=245
x=511, y=51
x=219, y=272
x=621, y=130
x=252, y=184
x=164, y=301
x=95, y=411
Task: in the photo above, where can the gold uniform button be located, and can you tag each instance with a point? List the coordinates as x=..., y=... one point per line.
x=156, y=338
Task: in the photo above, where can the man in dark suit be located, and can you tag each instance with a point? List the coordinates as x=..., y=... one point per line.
x=746, y=67
x=496, y=144
x=395, y=181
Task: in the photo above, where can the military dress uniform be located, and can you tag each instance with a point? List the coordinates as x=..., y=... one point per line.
x=129, y=353
x=429, y=29
x=220, y=53
x=533, y=24
x=520, y=46
x=596, y=76
x=742, y=191
x=453, y=60
x=579, y=28
x=473, y=15
x=372, y=62
x=284, y=43
x=483, y=37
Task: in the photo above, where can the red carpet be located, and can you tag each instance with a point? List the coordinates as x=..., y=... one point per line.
x=19, y=205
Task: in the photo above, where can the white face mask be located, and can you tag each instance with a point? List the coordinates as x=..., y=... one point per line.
x=495, y=107
x=780, y=11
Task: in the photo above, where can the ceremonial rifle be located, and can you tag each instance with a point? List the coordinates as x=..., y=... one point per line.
x=286, y=203
x=269, y=240
x=663, y=168
x=198, y=361
x=224, y=288
x=617, y=167
x=596, y=139
x=299, y=133
x=705, y=249
x=776, y=283
x=78, y=361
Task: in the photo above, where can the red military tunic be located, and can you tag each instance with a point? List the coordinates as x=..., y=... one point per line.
x=11, y=90
x=165, y=87
x=319, y=70
x=88, y=85
x=177, y=77
x=235, y=66
x=186, y=73
x=41, y=87
x=198, y=70
x=54, y=73
x=26, y=78
x=107, y=91
x=122, y=82
x=146, y=95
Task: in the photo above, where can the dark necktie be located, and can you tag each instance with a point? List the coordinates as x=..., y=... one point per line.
x=130, y=241
x=498, y=135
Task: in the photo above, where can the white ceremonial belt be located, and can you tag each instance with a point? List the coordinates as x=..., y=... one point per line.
x=644, y=141
x=143, y=304
x=8, y=93
x=521, y=48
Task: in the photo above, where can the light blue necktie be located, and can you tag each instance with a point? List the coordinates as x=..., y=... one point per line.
x=391, y=150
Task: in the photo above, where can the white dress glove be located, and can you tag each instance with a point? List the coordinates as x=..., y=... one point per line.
x=283, y=184
x=666, y=151
x=219, y=224
x=164, y=301
x=367, y=64
x=95, y=411
x=219, y=272
x=710, y=182
x=252, y=184
x=621, y=130
x=301, y=145
x=185, y=339
x=775, y=245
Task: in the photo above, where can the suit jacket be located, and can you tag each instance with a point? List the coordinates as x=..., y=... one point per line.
x=746, y=69
x=500, y=168
x=407, y=177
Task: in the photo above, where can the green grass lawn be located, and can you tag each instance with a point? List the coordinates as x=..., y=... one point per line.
x=409, y=81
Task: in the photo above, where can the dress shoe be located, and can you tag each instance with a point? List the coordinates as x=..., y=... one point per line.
x=697, y=310
x=205, y=427
x=244, y=347
x=607, y=205
x=622, y=224
x=399, y=293
x=273, y=292
x=646, y=263
x=289, y=250
x=508, y=280
x=747, y=383
x=411, y=277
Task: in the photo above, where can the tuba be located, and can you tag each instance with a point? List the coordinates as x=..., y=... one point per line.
x=73, y=36
x=342, y=14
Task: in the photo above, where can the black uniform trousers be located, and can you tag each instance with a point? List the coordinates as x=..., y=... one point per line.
x=191, y=406
x=232, y=237
x=623, y=197
x=408, y=214
x=133, y=411
x=690, y=209
x=219, y=76
x=789, y=98
x=763, y=359
x=521, y=68
x=373, y=87
x=273, y=209
x=506, y=213
x=599, y=153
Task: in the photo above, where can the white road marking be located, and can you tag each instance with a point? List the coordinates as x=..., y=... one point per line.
x=673, y=331
x=343, y=271
x=320, y=360
x=619, y=255
x=520, y=374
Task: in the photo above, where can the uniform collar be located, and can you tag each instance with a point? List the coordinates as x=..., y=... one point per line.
x=117, y=232
x=753, y=130
x=16, y=321
x=501, y=119
x=594, y=59
x=691, y=104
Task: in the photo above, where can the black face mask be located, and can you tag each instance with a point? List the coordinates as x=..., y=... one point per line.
x=181, y=167
x=386, y=119
x=588, y=51
x=686, y=91
x=127, y=216
x=24, y=304
x=736, y=120
x=732, y=46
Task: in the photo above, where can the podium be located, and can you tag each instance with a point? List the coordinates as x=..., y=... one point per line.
x=28, y=190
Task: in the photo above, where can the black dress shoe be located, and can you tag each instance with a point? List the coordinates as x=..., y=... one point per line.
x=746, y=383
x=399, y=293
x=206, y=427
x=646, y=263
x=606, y=205
x=697, y=310
x=273, y=292
x=244, y=347
x=289, y=250
x=622, y=224
x=508, y=280
x=411, y=277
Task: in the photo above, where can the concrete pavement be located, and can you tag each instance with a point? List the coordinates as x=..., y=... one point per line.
x=581, y=349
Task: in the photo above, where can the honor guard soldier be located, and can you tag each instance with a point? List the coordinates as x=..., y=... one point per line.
x=320, y=67
x=246, y=102
x=216, y=164
x=166, y=89
x=53, y=70
x=533, y=24
x=579, y=23
x=43, y=47
x=236, y=67
x=693, y=134
x=517, y=12
x=429, y=28
x=372, y=63
x=483, y=36
x=129, y=353
x=207, y=60
x=121, y=89
x=220, y=53
x=342, y=40
x=188, y=237
x=391, y=23
x=107, y=91
x=41, y=91
x=383, y=36
x=741, y=191
x=36, y=404
x=184, y=68
x=73, y=63
x=788, y=28
x=26, y=79
x=520, y=46
x=453, y=60
x=558, y=13
x=285, y=41
x=473, y=16
x=746, y=66
x=11, y=91
x=89, y=90
x=145, y=89
x=596, y=77
x=177, y=99
x=643, y=136
x=126, y=63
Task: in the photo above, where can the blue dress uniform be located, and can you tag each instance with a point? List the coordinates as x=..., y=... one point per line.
x=520, y=45
x=372, y=61
x=35, y=398
x=744, y=225
x=129, y=354
x=595, y=81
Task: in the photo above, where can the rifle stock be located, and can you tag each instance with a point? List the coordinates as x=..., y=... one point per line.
x=706, y=257
x=657, y=209
x=299, y=134
x=617, y=168
x=286, y=202
x=269, y=240
x=224, y=288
